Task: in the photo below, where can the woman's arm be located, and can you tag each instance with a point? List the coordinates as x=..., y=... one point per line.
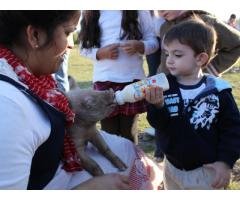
x=15, y=152
x=105, y=182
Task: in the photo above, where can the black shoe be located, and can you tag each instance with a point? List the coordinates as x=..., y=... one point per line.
x=159, y=159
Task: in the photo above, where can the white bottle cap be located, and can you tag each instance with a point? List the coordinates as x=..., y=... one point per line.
x=163, y=81
x=119, y=98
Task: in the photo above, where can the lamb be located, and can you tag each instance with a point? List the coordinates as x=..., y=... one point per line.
x=90, y=106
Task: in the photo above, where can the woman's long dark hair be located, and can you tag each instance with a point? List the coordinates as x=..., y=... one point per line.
x=13, y=22
x=90, y=33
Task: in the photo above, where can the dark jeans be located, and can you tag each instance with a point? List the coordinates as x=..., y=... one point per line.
x=158, y=151
x=153, y=60
x=125, y=126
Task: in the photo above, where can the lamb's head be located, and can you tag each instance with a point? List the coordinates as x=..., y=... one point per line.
x=90, y=105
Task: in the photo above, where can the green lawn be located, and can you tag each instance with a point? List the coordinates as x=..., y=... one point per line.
x=81, y=69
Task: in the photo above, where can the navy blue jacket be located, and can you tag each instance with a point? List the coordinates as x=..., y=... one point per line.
x=207, y=130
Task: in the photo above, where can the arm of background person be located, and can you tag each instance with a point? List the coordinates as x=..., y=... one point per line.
x=147, y=27
x=228, y=45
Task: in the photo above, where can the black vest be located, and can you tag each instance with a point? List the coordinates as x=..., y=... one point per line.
x=47, y=157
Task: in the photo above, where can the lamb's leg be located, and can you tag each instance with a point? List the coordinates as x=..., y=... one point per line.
x=103, y=148
x=89, y=164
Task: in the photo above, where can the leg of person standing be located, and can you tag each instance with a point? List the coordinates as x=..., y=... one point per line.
x=111, y=125
x=158, y=154
x=122, y=125
x=153, y=61
x=128, y=127
x=61, y=76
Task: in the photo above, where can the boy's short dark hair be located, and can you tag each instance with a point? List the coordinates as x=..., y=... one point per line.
x=233, y=16
x=195, y=34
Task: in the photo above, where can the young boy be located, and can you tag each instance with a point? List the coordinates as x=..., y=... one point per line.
x=197, y=119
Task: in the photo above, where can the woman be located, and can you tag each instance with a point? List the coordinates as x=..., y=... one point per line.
x=35, y=151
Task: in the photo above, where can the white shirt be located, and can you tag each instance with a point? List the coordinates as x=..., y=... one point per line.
x=190, y=92
x=125, y=68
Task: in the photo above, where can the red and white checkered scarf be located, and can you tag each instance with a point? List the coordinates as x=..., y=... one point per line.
x=46, y=89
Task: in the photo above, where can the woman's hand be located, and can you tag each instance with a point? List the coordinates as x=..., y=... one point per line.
x=105, y=182
x=222, y=174
x=131, y=47
x=108, y=52
x=154, y=95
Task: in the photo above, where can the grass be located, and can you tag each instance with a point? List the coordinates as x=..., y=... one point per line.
x=81, y=69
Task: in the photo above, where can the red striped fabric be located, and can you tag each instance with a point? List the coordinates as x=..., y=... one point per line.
x=46, y=89
x=143, y=175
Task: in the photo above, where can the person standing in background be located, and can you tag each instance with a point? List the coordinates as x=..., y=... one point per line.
x=228, y=44
x=116, y=41
x=232, y=21
x=153, y=62
x=61, y=76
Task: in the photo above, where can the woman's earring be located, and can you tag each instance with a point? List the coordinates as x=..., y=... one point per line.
x=36, y=46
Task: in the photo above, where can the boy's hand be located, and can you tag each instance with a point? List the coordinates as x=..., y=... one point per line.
x=222, y=174
x=108, y=52
x=131, y=47
x=154, y=95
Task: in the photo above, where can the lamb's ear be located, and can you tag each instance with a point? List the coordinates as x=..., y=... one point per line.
x=72, y=82
x=88, y=101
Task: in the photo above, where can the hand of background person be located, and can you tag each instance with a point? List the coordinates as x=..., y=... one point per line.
x=222, y=174
x=108, y=52
x=154, y=95
x=131, y=47
x=106, y=182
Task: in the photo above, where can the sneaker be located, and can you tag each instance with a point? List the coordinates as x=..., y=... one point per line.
x=150, y=131
x=159, y=159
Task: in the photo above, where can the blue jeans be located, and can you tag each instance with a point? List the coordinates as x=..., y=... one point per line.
x=158, y=151
x=61, y=76
x=153, y=60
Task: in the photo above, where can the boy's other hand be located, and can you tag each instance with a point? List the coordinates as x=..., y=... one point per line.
x=222, y=174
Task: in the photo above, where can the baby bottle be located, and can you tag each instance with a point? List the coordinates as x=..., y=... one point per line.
x=135, y=91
